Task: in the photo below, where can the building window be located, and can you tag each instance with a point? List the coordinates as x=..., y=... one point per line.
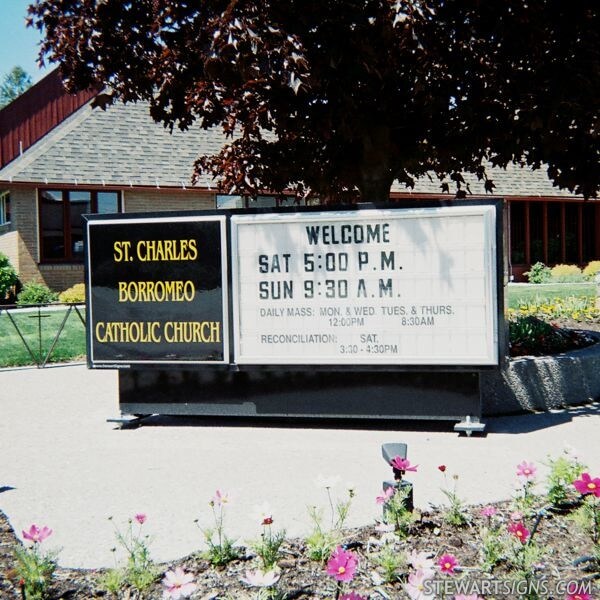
x=4, y=208
x=554, y=232
x=225, y=201
x=61, y=223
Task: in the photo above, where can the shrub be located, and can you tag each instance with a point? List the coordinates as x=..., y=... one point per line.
x=539, y=273
x=534, y=337
x=75, y=294
x=8, y=276
x=592, y=269
x=566, y=274
x=36, y=293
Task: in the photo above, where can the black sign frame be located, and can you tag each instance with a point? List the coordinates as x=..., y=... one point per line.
x=179, y=259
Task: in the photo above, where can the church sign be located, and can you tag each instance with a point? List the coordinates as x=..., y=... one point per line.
x=157, y=291
x=389, y=311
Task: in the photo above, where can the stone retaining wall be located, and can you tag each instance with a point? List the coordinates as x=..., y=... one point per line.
x=543, y=383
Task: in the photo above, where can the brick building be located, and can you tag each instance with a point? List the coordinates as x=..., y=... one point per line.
x=61, y=158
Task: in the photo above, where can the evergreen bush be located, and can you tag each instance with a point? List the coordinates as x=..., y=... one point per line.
x=539, y=273
x=36, y=293
x=8, y=276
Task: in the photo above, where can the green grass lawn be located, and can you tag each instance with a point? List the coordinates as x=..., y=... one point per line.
x=70, y=345
x=542, y=293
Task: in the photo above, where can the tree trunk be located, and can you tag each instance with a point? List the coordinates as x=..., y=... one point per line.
x=375, y=171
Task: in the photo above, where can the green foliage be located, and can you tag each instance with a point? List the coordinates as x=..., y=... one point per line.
x=591, y=269
x=456, y=513
x=112, y=580
x=391, y=562
x=267, y=548
x=523, y=559
x=559, y=482
x=36, y=293
x=587, y=517
x=396, y=513
x=221, y=549
x=539, y=273
x=321, y=541
x=73, y=295
x=578, y=308
x=36, y=569
x=13, y=85
x=8, y=276
x=139, y=572
x=523, y=293
x=531, y=336
x=567, y=274
x=491, y=547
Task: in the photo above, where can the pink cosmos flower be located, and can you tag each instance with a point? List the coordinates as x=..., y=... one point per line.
x=140, y=518
x=526, y=471
x=488, y=511
x=402, y=464
x=587, y=485
x=519, y=531
x=415, y=587
x=577, y=592
x=385, y=496
x=259, y=578
x=220, y=498
x=342, y=564
x=36, y=534
x=447, y=563
x=352, y=596
x=420, y=561
x=178, y=584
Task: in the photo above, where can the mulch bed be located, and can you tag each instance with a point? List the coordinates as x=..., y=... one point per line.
x=302, y=579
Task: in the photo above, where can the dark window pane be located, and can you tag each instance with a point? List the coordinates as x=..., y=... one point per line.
x=572, y=233
x=536, y=224
x=80, y=204
x=108, y=202
x=52, y=229
x=517, y=232
x=590, y=211
x=554, y=233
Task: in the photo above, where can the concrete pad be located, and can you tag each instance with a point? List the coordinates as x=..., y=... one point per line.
x=62, y=465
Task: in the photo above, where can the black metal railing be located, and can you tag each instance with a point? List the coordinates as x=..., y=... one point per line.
x=39, y=356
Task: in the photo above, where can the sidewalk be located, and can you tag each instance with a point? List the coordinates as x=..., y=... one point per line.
x=64, y=466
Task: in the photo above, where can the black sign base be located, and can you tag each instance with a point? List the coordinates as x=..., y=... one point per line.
x=288, y=393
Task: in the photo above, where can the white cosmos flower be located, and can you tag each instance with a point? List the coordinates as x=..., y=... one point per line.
x=259, y=578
